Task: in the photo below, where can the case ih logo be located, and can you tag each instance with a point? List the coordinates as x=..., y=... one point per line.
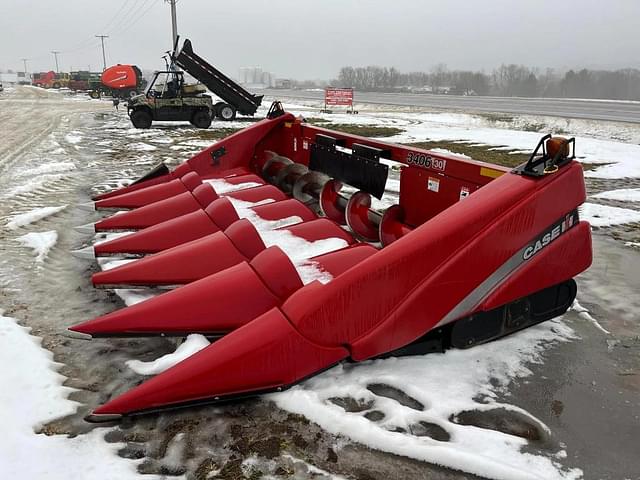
x=426, y=161
x=552, y=234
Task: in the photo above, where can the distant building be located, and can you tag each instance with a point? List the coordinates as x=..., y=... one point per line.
x=285, y=83
x=255, y=77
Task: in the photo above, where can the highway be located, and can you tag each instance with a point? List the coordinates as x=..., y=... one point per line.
x=603, y=110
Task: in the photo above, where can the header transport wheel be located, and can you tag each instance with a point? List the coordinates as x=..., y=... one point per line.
x=141, y=119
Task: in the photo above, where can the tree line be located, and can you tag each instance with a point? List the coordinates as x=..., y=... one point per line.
x=507, y=80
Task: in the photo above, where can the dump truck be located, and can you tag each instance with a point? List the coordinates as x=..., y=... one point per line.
x=169, y=97
x=235, y=98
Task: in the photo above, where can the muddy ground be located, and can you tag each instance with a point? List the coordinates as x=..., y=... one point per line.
x=586, y=391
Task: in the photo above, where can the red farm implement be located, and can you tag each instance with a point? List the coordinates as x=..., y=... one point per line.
x=464, y=253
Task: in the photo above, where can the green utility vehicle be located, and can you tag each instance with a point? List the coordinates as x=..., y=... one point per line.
x=167, y=97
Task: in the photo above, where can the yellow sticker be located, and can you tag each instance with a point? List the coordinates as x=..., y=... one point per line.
x=489, y=172
x=288, y=124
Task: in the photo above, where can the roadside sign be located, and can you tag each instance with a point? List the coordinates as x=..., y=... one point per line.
x=338, y=97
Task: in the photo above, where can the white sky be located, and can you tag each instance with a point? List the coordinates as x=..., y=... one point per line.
x=313, y=39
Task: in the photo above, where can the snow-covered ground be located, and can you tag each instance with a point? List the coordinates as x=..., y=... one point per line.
x=31, y=394
x=440, y=387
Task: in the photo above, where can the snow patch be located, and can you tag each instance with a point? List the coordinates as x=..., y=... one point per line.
x=605, y=216
x=31, y=394
x=52, y=167
x=221, y=186
x=141, y=147
x=32, y=216
x=296, y=248
x=301, y=467
x=32, y=185
x=584, y=313
x=73, y=137
x=243, y=209
x=446, y=385
x=623, y=195
x=193, y=344
x=40, y=242
x=132, y=296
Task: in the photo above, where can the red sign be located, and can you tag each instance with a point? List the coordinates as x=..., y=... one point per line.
x=338, y=96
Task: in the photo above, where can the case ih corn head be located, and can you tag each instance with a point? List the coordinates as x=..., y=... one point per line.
x=471, y=252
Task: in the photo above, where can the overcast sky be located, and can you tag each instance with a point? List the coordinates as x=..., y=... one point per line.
x=308, y=39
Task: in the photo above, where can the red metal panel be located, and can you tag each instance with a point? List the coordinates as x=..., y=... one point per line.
x=150, y=214
x=237, y=150
x=143, y=196
x=266, y=354
x=398, y=294
x=424, y=194
x=182, y=264
x=161, y=236
x=557, y=263
x=277, y=272
x=216, y=304
x=138, y=186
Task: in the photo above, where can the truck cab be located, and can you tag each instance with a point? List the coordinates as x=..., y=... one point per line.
x=169, y=98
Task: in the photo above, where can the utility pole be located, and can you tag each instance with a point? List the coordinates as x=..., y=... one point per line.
x=104, y=58
x=174, y=23
x=24, y=61
x=55, y=54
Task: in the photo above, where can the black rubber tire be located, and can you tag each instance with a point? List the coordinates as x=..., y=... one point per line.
x=94, y=94
x=141, y=119
x=226, y=112
x=56, y=85
x=131, y=94
x=201, y=119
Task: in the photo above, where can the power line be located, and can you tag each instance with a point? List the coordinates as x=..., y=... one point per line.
x=131, y=14
x=104, y=59
x=135, y=15
x=83, y=45
x=120, y=10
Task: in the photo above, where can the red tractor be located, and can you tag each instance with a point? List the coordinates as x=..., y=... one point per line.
x=51, y=79
x=43, y=79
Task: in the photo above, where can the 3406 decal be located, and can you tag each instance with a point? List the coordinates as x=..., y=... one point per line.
x=427, y=161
